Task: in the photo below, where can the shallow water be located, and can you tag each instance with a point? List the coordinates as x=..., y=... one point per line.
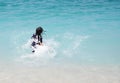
x=81, y=41
x=69, y=73
x=85, y=32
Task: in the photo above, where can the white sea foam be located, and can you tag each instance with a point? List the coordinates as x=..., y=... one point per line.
x=41, y=51
x=42, y=55
x=51, y=48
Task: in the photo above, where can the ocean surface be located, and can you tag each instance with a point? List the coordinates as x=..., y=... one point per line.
x=81, y=41
x=79, y=31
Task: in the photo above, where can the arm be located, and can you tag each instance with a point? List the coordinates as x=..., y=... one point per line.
x=40, y=41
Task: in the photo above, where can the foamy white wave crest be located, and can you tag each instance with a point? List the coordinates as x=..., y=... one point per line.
x=69, y=45
x=41, y=51
x=41, y=55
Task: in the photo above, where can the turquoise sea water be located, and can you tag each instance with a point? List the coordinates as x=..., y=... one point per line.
x=81, y=31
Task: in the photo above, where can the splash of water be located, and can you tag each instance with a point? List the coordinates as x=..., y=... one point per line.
x=52, y=48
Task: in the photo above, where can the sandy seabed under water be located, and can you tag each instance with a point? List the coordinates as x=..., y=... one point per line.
x=59, y=74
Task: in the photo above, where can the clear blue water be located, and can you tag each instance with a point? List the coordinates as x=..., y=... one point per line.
x=86, y=31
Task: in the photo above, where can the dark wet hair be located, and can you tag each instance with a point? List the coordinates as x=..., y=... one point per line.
x=39, y=30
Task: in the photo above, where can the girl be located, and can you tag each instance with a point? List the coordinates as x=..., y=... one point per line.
x=37, y=38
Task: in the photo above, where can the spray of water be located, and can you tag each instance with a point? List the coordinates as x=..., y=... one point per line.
x=68, y=46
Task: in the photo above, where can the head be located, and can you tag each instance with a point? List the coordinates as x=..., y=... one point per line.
x=39, y=30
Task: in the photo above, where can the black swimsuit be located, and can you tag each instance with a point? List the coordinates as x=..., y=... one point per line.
x=35, y=37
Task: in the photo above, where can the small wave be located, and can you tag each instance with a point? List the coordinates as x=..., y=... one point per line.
x=42, y=54
x=52, y=49
x=41, y=51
